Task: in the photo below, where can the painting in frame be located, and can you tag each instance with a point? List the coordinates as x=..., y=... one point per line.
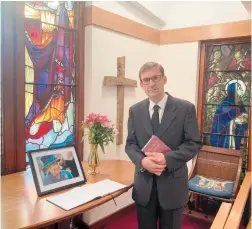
x=56, y=169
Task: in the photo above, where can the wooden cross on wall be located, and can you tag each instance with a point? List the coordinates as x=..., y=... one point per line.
x=120, y=81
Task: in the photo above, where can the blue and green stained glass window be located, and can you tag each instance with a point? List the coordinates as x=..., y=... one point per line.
x=227, y=97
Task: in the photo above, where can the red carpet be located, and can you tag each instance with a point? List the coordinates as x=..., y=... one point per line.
x=130, y=222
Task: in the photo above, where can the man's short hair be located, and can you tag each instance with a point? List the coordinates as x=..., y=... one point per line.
x=150, y=65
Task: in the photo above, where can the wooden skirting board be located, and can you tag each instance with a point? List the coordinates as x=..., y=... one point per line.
x=96, y=16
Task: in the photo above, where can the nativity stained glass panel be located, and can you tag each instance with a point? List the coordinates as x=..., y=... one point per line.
x=49, y=74
x=227, y=97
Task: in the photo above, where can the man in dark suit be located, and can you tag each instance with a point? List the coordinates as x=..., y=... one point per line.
x=160, y=188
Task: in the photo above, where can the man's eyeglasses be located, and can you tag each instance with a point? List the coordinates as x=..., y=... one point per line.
x=154, y=79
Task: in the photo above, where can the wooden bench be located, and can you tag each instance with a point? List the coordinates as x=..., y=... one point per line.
x=235, y=216
x=221, y=217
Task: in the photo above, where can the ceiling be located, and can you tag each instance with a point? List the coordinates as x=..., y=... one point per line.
x=179, y=14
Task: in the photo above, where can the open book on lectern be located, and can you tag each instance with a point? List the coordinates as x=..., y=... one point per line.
x=84, y=194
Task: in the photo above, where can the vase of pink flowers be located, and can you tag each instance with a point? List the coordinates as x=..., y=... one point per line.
x=100, y=132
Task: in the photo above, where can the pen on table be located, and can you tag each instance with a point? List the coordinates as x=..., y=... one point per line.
x=98, y=197
x=113, y=199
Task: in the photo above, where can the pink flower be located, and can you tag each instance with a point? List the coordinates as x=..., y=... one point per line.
x=96, y=118
x=98, y=132
x=102, y=119
x=107, y=124
x=90, y=118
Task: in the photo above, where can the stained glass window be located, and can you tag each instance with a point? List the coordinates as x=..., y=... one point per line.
x=49, y=74
x=227, y=97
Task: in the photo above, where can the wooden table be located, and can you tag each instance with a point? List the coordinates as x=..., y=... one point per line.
x=22, y=208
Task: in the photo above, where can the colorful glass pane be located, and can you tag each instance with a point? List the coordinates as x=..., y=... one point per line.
x=229, y=57
x=49, y=74
x=227, y=97
x=217, y=86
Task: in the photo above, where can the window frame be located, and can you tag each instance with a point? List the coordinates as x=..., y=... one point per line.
x=202, y=63
x=13, y=86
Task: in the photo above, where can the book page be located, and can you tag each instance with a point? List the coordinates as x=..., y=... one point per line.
x=107, y=186
x=81, y=195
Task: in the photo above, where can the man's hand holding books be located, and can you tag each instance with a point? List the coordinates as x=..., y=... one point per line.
x=154, y=162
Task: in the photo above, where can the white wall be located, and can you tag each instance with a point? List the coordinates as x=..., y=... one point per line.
x=102, y=49
x=180, y=62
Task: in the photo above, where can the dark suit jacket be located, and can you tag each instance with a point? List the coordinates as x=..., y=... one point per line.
x=179, y=130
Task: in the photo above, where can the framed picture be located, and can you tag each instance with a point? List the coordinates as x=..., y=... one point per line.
x=56, y=169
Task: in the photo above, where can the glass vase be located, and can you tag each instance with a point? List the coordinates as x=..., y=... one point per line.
x=93, y=160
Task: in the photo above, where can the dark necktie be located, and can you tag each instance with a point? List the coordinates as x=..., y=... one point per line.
x=155, y=119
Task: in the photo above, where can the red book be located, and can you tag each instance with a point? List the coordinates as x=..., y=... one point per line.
x=156, y=145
